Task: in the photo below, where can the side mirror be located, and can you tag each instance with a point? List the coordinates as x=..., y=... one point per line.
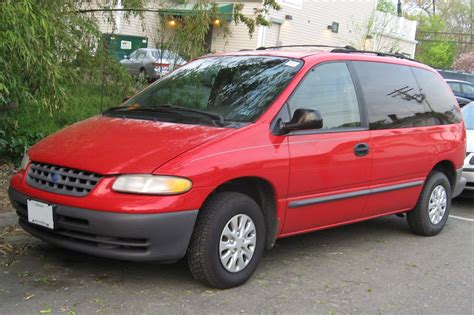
x=303, y=119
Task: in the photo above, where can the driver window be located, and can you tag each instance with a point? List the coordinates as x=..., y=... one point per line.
x=329, y=89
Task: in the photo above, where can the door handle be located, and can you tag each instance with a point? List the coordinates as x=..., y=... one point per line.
x=361, y=149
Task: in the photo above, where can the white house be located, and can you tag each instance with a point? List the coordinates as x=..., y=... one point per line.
x=336, y=22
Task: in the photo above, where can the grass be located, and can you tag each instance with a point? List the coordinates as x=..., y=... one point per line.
x=85, y=101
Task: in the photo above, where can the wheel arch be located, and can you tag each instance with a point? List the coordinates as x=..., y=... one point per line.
x=447, y=167
x=263, y=193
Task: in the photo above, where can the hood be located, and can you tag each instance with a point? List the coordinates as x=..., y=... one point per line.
x=107, y=145
x=470, y=140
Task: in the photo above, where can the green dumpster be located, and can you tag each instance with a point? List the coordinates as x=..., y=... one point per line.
x=121, y=46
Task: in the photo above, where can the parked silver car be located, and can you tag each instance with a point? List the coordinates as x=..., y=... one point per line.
x=468, y=170
x=151, y=63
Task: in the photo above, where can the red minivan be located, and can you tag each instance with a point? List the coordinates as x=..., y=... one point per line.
x=231, y=152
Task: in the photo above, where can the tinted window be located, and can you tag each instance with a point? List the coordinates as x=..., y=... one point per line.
x=329, y=89
x=439, y=101
x=239, y=88
x=392, y=95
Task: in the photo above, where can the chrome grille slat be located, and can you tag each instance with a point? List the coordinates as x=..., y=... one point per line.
x=69, y=182
x=62, y=171
x=86, y=185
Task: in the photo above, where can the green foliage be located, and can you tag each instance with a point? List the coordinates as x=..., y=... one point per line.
x=38, y=39
x=386, y=6
x=50, y=76
x=434, y=49
x=438, y=55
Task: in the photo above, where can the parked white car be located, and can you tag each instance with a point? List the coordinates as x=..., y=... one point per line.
x=468, y=170
x=151, y=63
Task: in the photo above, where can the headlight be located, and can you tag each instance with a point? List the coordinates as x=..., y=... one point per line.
x=152, y=184
x=25, y=161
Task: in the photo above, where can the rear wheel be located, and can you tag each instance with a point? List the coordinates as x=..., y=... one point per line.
x=228, y=240
x=432, y=210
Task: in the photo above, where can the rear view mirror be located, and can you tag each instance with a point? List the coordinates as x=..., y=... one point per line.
x=303, y=119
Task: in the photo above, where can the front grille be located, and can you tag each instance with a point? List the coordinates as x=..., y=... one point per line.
x=61, y=180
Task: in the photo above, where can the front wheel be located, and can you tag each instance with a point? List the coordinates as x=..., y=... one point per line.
x=228, y=240
x=432, y=210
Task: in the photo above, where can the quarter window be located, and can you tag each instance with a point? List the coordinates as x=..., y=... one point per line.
x=329, y=89
x=439, y=101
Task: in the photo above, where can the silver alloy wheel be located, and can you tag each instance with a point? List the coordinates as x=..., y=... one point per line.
x=237, y=243
x=437, y=204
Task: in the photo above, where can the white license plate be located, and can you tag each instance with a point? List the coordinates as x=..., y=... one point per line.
x=40, y=213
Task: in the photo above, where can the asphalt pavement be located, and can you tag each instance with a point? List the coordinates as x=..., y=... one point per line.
x=373, y=267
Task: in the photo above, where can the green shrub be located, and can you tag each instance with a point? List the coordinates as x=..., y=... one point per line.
x=54, y=71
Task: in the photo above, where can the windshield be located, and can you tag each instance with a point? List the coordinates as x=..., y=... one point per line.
x=226, y=88
x=468, y=114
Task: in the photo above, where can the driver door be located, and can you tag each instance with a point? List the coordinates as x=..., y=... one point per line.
x=330, y=168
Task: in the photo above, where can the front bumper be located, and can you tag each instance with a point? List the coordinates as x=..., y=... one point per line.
x=133, y=237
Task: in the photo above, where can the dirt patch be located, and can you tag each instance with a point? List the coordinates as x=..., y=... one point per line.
x=6, y=171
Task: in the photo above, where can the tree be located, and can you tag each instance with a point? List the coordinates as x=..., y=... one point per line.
x=465, y=63
x=456, y=17
x=387, y=6
x=433, y=48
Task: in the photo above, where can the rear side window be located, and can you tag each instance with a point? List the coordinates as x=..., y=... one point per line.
x=329, y=89
x=439, y=101
x=392, y=95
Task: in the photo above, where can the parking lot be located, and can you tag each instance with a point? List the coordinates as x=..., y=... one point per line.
x=371, y=267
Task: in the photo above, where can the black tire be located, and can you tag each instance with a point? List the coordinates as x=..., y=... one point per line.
x=142, y=75
x=419, y=219
x=203, y=253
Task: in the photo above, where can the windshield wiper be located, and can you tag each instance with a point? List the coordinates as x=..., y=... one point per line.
x=213, y=115
x=167, y=108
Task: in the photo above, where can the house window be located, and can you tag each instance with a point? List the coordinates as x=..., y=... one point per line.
x=298, y=4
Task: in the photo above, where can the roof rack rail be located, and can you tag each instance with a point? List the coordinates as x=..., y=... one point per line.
x=378, y=53
x=309, y=45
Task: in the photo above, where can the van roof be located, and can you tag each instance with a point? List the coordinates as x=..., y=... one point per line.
x=329, y=55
